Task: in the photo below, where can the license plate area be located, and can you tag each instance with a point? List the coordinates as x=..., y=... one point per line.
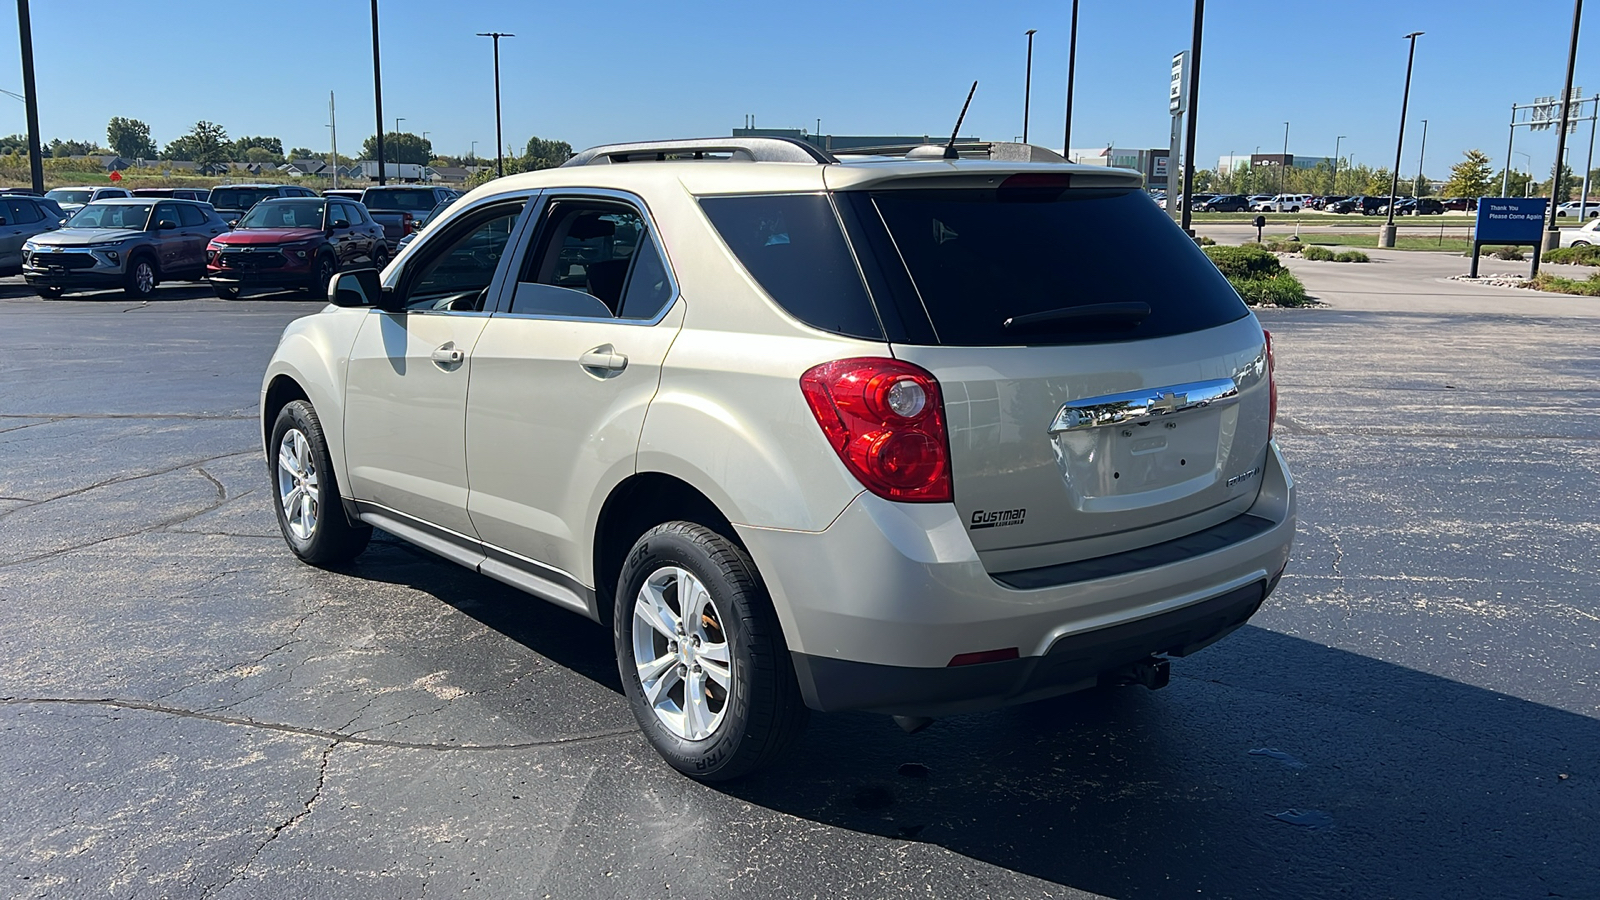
x=1145, y=463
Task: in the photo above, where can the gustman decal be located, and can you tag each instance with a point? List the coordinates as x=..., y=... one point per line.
x=998, y=518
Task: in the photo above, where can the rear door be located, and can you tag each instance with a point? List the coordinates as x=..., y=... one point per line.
x=1104, y=386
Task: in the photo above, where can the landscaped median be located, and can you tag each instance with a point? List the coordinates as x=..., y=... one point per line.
x=1259, y=276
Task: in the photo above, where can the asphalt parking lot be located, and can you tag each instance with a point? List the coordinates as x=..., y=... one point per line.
x=186, y=712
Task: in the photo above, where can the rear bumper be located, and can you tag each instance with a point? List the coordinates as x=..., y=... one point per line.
x=875, y=607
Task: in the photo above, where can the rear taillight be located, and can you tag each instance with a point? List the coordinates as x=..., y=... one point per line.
x=885, y=419
x=1272, y=386
x=407, y=223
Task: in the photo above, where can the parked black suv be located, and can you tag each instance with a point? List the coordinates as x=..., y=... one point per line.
x=1224, y=203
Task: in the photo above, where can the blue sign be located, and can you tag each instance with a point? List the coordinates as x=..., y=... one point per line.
x=1511, y=220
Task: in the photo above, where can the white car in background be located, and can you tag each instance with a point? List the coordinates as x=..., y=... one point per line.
x=1283, y=203
x=1585, y=236
x=1570, y=209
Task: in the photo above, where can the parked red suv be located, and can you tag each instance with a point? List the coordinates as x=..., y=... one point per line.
x=294, y=242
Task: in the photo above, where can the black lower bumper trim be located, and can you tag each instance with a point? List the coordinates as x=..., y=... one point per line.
x=1236, y=530
x=1072, y=662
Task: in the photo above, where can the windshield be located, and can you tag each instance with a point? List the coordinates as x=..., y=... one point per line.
x=240, y=198
x=111, y=215
x=409, y=201
x=284, y=214
x=62, y=195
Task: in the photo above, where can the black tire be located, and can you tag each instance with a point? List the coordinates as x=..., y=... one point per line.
x=327, y=267
x=141, y=279
x=331, y=538
x=50, y=293
x=762, y=714
x=224, y=292
x=380, y=258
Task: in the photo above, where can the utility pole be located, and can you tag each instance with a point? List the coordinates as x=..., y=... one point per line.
x=1194, y=114
x=377, y=92
x=333, y=128
x=1335, y=188
x=1422, y=156
x=499, y=140
x=1505, y=174
x=1552, y=234
x=1072, y=69
x=1583, y=203
x=1386, y=235
x=1283, y=164
x=1027, y=87
x=30, y=96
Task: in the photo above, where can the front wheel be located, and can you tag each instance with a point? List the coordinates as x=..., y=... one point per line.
x=225, y=292
x=701, y=655
x=326, y=268
x=310, y=513
x=50, y=293
x=140, y=281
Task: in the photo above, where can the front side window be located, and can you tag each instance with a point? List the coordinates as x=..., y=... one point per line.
x=111, y=215
x=22, y=212
x=594, y=259
x=454, y=270
x=166, y=212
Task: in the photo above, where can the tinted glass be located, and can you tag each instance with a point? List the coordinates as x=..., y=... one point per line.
x=64, y=195
x=406, y=200
x=792, y=246
x=190, y=216
x=979, y=257
x=284, y=214
x=649, y=289
x=22, y=212
x=240, y=197
x=585, y=247
x=455, y=269
x=111, y=215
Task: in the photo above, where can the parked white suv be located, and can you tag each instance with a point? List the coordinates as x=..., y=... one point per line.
x=807, y=434
x=1284, y=203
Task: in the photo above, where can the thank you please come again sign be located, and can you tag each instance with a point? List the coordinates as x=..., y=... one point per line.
x=1510, y=220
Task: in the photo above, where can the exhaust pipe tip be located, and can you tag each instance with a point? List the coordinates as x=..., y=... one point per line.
x=912, y=724
x=1152, y=672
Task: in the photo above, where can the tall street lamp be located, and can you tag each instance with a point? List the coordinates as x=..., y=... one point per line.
x=1283, y=164
x=1421, y=156
x=1334, y=189
x=397, y=121
x=377, y=90
x=1072, y=68
x=1552, y=234
x=1194, y=115
x=1027, y=89
x=1386, y=235
x=499, y=141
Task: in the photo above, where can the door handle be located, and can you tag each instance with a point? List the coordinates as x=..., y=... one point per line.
x=605, y=358
x=447, y=355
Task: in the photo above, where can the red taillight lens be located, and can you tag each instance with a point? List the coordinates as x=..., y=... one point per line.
x=407, y=223
x=1272, y=385
x=885, y=419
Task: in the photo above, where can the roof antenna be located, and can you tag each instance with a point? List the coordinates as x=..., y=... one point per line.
x=950, y=148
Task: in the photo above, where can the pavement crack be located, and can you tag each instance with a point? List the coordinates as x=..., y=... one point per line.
x=285, y=825
x=337, y=737
x=187, y=464
x=222, y=492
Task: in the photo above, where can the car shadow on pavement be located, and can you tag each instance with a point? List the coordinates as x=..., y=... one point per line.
x=1272, y=766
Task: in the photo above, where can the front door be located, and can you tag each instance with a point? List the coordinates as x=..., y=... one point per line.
x=563, y=378
x=406, y=393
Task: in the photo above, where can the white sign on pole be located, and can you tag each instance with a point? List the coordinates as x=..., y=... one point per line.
x=1179, y=97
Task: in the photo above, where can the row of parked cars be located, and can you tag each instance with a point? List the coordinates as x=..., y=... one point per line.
x=233, y=236
x=1366, y=205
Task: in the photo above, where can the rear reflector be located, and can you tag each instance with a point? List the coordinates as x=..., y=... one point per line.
x=984, y=656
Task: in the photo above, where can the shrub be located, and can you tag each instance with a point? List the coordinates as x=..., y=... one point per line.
x=1555, y=284
x=1511, y=253
x=1588, y=255
x=1204, y=241
x=1320, y=254
x=1355, y=256
x=1250, y=261
x=1282, y=289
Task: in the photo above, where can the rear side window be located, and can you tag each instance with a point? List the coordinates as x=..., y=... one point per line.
x=980, y=257
x=791, y=244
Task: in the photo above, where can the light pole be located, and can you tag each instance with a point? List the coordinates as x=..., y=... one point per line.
x=1335, y=188
x=30, y=96
x=1386, y=235
x=1072, y=69
x=1526, y=185
x=499, y=141
x=1027, y=89
x=1552, y=234
x=473, y=152
x=1194, y=113
x=377, y=91
x=1283, y=164
x=1421, y=156
x=397, y=121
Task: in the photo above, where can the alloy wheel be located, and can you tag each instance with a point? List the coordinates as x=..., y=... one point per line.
x=681, y=650
x=144, y=277
x=297, y=484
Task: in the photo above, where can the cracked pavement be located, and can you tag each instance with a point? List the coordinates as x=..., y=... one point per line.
x=187, y=712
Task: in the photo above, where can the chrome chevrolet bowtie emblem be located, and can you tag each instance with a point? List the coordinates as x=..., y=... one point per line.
x=1168, y=402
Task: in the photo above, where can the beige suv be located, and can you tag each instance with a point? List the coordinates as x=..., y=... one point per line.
x=886, y=433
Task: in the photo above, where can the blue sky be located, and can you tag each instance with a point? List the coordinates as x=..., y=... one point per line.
x=592, y=72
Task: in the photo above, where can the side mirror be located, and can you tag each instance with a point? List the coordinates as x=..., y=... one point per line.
x=166, y=225
x=360, y=287
x=233, y=223
x=338, y=223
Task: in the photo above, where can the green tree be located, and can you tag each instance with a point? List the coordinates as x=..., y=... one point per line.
x=1473, y=177
x=272, y=145
x=399, y=147
x=205, y=144
x=302, y=153
x=260, y=155
x=1570, y=183
x=1518, y=184
x=543, y=154
x=130, y=138
x=61, y=149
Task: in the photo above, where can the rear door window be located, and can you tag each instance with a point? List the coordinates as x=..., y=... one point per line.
x=1085, y=257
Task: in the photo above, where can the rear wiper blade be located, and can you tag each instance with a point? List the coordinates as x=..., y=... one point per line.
x=1126, y=314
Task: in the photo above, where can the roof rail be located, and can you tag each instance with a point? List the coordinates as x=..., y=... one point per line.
x=753, y=149
x=1003, y=151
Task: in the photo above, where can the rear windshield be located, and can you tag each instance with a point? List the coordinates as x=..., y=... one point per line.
x=240, y=198
x=980, y=257
x=409, y=201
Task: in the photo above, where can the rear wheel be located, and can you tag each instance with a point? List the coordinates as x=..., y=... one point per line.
x=380, y=257
x=310, y=513
x=140, y=282
x=325, y=272
x=50, y=293
x=702, y=658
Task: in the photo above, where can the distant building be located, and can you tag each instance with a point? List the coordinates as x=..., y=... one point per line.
x=1152, y=164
